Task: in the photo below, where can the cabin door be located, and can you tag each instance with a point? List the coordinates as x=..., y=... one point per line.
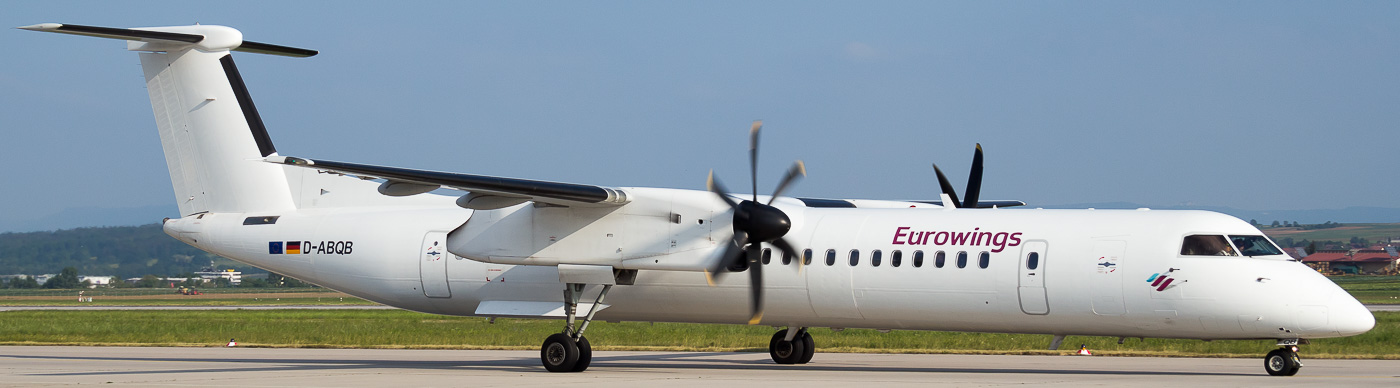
x=432, y=265
x=829, y=287
x=1031, y=287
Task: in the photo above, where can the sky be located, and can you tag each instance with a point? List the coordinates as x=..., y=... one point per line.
x=1253, y=105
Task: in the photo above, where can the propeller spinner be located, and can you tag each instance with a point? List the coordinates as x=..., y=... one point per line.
x=754, y=223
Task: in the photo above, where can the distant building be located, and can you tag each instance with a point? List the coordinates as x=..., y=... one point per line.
x=95, y=281
x=1354, y=261
x=168, y=282
x=234, y=277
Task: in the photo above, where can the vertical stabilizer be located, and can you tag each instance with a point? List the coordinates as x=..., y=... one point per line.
x=212, y=135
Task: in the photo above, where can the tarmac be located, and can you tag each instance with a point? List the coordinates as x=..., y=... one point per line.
x=145, y=366
x=249, y=307
x=1372, y=307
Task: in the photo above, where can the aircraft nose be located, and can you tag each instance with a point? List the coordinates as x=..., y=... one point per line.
x=1349, y=316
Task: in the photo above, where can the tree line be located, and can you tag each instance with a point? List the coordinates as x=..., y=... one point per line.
x=122, y=251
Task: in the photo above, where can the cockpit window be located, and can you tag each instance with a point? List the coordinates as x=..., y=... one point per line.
x=1206, y=245
x=1255, y=246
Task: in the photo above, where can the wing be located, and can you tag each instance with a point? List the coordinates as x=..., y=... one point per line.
x=984, y=204
x=487, y=192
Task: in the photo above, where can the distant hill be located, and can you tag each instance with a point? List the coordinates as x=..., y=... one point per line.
x=1349, y=215
x=124, y=251
x=84, y=217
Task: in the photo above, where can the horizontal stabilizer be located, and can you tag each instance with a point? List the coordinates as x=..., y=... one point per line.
x=169, y=34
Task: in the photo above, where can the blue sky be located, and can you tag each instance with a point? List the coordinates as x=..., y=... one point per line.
x=1253, y=105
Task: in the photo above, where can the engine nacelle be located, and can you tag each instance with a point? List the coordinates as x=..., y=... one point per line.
x=659, y=229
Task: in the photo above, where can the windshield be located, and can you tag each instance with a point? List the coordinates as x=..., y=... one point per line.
x=1255, y=246
x=1206, y=245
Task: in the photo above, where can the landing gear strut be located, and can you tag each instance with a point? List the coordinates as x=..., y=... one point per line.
x=1283, y=361
x=569, y=351
x=792, y=346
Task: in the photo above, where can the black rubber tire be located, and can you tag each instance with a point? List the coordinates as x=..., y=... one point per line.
x=585, y=355
x=559, y=353
x=1282, y=362
x=784, y=352
x=809, y=348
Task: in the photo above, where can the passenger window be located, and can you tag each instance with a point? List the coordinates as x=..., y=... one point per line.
x=938, y=259
x=830, y=257
x=1033, y=260
x=875, y=258
x=1255, y=246
x=787, y=259
x=962, y=259
x=855, y=257
x=806, y=257
x=984, y=259
x=1206, y=245
x=918, y=259
x=767, y=256
x=895, y=258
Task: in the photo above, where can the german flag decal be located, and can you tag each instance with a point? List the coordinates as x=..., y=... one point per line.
x=294, y=247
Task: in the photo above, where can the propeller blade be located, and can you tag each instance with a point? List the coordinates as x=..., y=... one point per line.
x=753, y=156
x=717, y=188
x=797, y=171
x=974, y=180
x=947, y=187
x=784, y=246
x=733, y=253
x=755, y=284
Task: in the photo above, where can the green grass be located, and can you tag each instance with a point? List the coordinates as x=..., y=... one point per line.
x=404, y=329
x=1371, y=289
x=292, y=300
x=128, y=292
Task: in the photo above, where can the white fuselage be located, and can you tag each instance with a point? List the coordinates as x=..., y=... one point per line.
x=1091, y=275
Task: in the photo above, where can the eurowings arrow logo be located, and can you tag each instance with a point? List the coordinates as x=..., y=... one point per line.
x=1163, y=280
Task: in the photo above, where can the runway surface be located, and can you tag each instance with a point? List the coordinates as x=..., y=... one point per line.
x=1372, y=307
x=256, y=307
x=115, y=366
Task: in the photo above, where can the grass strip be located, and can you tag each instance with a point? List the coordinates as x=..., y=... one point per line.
x=199, y=301
x=398, y=329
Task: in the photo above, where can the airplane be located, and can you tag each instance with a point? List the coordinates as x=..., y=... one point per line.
x=507, y=247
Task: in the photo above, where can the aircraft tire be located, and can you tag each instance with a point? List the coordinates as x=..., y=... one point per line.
x=785, y=352
x=585, y=355
x=559, y=353
x=809, y=348
x=1282, y=362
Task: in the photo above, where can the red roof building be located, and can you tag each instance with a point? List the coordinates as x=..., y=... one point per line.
x=1355, y=261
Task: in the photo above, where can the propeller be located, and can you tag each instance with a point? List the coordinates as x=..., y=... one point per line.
x=754, y=223
x=974, y=182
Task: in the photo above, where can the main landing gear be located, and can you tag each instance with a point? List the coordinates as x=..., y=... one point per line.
x=792, y=346
x=569, y=351
x=1283, y=361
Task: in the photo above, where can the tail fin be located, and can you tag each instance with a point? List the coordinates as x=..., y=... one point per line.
x=213, y=138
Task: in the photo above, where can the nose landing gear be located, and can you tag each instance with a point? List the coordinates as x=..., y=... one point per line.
x=1283, y=361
